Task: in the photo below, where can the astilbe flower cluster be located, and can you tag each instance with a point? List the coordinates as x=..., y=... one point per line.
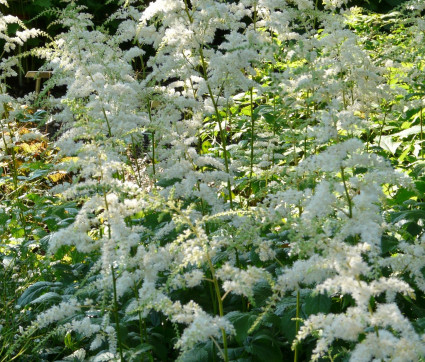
x=324, y=196
x=9, y=62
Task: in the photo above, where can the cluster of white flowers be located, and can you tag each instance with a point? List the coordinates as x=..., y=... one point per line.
x=410, y=260
x=239, y=281
x=201, y=328
x=137, y=142
x=23, y=33
x=57, y=313
x=379, y=343
x=20, y=37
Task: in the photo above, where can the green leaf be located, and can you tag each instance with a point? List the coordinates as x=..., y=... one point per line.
x=167, y=182
x=242, y=323
x=314, y=304
x=285, y=304
x=416, y=94
x=388, y=244
x=206, y=145
x=34, y=291
x=411, y=215
x=403, y=195
x=264, y=347
x=68, y=340
x=407, y=132
x=36, y=174
x=420, y=186
x=419, y=325
x=414, y=229
x=389, y=145
x=136, y=354
x=262, y=291
x=287, y=324
x=198, y=353
x=42, y=4
x=236, y=353
x=47, y=297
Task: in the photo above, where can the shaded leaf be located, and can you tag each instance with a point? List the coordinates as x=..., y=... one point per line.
x=389, y=145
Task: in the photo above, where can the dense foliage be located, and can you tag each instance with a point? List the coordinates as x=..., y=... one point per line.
x=215, y=180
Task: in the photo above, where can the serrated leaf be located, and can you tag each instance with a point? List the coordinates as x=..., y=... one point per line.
x=167, y=182
x=407, y=132
x=314, y=304
x=419, y=325
x=411, y=215
x=388, y=244
x=403, y=195
x=219, y=257
x=262, y=291
x=195, y=355
x=242, y=323
x=265, y=347
x=34, y=292
x=135, y=354
x=47, y=297
x=284, y=304
x=389, y=145
x=416, y=94
x=36, y=174
x=287, y=324
x=236, y=353
x=418, y=169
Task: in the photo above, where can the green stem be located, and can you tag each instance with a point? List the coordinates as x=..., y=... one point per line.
x=153, y=154
x=139, y=178
x=422, y=147
x=381, y=128
x=153, y=140
x=141, y=330
x=106, y=119
x=117, y=319
x=14, y=170
x=107, y=209
x=350, y=203
x=186, y=9
x=213, y=278
x=371, y=313
x=297, y=325
x=274, y=129
x=254, y=20
x=251, y=166
x=220, y=306
x=12, y=154
x=315, y=15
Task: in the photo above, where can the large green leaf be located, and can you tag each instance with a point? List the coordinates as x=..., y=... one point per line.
x=242, y=323
x=389, y=145
x=264, y=347
x=388, y=244
x=49, y=297
x=34, y=291
x=411, y=215
x=198, y=353
x=314, y=304
x=408, y=132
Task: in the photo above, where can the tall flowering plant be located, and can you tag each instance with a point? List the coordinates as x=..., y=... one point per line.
x=229, y=204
